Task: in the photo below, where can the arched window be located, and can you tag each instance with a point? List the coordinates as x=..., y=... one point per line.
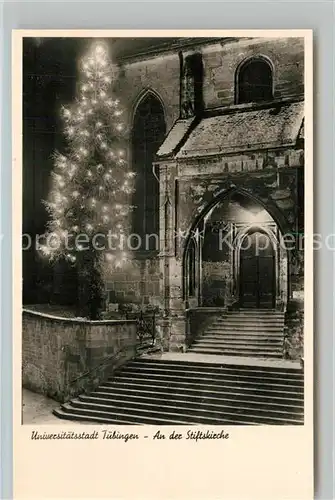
x=254, y=82
x=148, y=134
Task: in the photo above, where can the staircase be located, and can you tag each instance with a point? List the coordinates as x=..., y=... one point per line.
x=173, y=392
x=247, y=332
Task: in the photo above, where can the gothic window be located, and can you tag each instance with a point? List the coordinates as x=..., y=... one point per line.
x=148, y=134
x=254, y=82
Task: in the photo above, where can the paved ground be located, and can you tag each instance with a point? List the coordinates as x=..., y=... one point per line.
x=228, y=360
x=37, y=409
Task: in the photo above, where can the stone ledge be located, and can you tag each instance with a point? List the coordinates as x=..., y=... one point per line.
x=78, y=321
x=207, y=309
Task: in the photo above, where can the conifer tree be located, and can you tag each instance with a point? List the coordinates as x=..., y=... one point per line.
x=91, y=188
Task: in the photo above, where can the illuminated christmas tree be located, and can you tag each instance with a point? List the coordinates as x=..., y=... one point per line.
x=90, y=197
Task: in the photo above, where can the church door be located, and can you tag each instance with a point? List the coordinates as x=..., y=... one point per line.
x=257, y=271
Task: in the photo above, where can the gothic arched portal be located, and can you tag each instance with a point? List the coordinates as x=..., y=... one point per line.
x=241, y=257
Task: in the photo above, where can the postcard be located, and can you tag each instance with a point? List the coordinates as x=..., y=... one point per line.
x=163, y=272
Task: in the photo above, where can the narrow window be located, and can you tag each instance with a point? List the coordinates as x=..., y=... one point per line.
x=254, y=82
x=191, y=90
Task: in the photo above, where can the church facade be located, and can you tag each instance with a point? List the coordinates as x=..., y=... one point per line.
x=216, y=138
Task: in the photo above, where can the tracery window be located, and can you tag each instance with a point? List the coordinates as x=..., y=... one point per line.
x=148, y=134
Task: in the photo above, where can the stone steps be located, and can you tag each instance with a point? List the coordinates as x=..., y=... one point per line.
x=234, y=398
x=238, y=352
x=243, y=338
x=233, y=344
x=224, y=327
x=187, y=366
x=157, y=392
x=258, y=333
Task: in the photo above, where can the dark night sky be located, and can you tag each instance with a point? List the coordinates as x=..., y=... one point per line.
x=49, y=79
x=49, y=76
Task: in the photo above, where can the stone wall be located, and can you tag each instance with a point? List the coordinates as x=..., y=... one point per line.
x=216, y=279
x=161, y=73
x=56, y=351
x=221, y=62
x=136, y=283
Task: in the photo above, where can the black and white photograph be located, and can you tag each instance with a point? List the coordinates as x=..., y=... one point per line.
x=163, y=231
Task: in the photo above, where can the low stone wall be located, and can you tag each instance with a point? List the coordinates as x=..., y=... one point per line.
x=57, y=352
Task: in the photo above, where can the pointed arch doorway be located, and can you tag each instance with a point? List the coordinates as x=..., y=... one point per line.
x=241, y=260
x=257, y=271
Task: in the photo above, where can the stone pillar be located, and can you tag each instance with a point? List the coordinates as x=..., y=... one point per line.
x=172, y=322
x=162, y=333
x=230, y=288
x=177, y=308
x=201, y=237
x=235, y=268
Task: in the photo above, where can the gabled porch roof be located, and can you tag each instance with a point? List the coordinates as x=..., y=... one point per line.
x=235, y=131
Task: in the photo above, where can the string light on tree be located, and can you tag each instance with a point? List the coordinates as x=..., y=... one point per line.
x=81, y=199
